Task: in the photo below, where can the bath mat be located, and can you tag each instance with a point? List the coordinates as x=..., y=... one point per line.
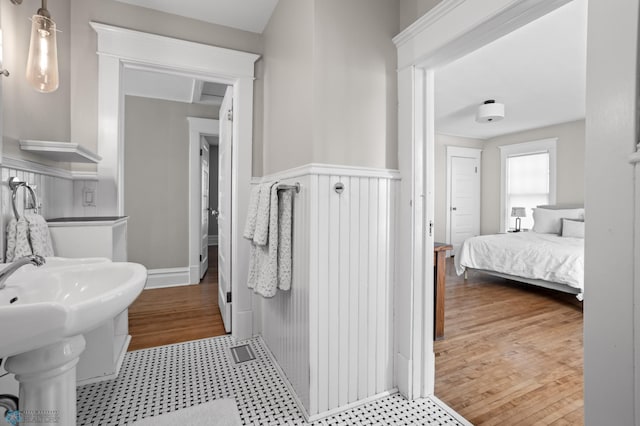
x=221, y=412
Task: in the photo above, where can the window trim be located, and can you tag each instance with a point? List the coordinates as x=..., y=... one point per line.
x=524, y=148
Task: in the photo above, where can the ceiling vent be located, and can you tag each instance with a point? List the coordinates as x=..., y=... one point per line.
x=490, y=111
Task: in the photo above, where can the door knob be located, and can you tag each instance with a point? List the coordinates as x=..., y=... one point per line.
x=454, y=208
x=215, y=213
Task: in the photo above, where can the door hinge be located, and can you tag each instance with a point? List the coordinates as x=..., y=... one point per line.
x=230, y=115
x=476, y=169
x=200, y=152
x=430, y=228
x=229, y=297
x=200, y=258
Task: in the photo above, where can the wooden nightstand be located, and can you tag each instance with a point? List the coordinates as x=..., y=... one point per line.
x=439, y=276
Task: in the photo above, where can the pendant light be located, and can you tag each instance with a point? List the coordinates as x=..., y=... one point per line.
x=42, y=64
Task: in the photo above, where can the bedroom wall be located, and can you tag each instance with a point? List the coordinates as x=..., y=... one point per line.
x=442, y=141
x=570, y=168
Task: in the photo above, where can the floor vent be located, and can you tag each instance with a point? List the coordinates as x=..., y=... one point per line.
x=242, y=353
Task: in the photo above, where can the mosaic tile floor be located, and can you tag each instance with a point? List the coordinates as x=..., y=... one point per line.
x=167, y=378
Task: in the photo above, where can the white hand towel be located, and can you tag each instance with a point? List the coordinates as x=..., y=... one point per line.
x=39, y=235
x=252, y=213
x=261, y=234
x=285, y=230
x=12, y=230
x=266, y=284
x=23, y=246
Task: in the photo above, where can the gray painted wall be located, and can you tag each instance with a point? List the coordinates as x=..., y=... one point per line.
x=288, y=86
x=330, y=84
x=84, y=61
x=570, y=185
x=28, y=114
x=570, y=170
x=411, y=10
x=156, y=179
x=71, y=113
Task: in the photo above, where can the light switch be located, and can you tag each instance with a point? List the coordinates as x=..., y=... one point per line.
x=89, y=197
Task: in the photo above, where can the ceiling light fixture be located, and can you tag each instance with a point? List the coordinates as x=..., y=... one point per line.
x=490, y=111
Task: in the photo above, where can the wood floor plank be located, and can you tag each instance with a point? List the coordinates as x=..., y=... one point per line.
x=512, y=353
x=165, y=316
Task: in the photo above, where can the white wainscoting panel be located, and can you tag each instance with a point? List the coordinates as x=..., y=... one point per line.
x=332, y=334
x=53, y=187
x=285, y=317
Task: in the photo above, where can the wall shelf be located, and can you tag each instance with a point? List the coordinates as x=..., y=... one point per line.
x=60, y=151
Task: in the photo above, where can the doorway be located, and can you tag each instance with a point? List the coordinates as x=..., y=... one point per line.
x=457, y=29
x=120, y=49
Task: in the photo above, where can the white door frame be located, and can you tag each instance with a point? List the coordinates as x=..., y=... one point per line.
x=459, y=151
x=119, y=48
x=449, y=31
x=197, y=127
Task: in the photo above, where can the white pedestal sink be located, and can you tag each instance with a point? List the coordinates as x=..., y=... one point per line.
x=45, y=311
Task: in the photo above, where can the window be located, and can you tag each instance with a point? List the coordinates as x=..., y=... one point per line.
x=528, y=179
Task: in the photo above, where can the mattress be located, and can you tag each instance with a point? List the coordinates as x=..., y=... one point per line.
x=547, y=257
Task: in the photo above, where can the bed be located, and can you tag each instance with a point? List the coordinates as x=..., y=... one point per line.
x=552, y=259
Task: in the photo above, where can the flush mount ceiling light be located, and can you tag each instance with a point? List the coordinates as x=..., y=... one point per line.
x=490, y=111
x=42, y=64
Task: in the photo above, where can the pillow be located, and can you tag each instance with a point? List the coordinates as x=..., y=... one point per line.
x=550, y=221
x=572, y=228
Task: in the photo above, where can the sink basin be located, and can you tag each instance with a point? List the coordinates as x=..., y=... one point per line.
x=68, y=261
x=41, y=306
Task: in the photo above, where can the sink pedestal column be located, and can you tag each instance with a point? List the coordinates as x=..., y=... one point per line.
x=47, y=379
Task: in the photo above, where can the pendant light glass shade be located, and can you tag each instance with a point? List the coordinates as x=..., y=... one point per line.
x=42, y=65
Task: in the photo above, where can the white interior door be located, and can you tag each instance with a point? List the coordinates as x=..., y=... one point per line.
x=204, y=206
x=224, y=208
x=465, y=200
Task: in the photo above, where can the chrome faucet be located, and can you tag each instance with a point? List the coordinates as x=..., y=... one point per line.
x=34, y=259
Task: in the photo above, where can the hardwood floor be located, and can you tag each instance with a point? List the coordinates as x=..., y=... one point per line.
x=512, y=353
x=177, y=314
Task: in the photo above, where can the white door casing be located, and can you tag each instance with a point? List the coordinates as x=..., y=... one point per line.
x=119, y=48
x=225, y=194
x=204, y=206
x=463, y=195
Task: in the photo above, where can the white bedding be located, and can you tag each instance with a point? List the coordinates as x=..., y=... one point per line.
x=532, y=255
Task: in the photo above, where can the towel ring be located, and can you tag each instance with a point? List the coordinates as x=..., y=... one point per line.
x=14, y=184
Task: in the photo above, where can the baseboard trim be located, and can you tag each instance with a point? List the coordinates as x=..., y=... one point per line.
x=284, y=378
x=169, y=277
x=114, y=375
x=352, y=405
x=403, y=371
x=213, y=240
x=450, y=411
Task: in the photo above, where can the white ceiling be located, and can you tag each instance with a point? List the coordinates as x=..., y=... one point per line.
x=538, y=72
x=248, y=15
